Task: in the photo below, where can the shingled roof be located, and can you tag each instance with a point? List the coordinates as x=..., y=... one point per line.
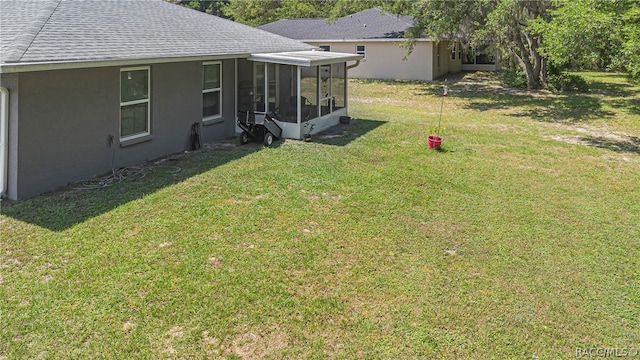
x=368, y=24
x=55, y=31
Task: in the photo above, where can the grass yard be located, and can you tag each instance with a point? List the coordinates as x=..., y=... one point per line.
x=520, y=239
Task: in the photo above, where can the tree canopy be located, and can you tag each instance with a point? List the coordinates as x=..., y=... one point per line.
x=213, y=7
x=592, y=34
x=577, y=34
x=502, y=24
x=260, y=12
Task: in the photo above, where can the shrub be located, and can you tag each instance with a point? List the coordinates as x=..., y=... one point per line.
x=567, y=82
x=514, y=77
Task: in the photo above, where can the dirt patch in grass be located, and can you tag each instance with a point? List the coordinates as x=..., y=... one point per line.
x=172, y=335
x=216, y=262
x=258, y=344
x=614, y=141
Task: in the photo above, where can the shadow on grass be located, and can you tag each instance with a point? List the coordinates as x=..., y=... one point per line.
x=62, y=209
x=69, y=206
x=567, y=109
x=484, y=92
x=629, y=145
x=341, y=134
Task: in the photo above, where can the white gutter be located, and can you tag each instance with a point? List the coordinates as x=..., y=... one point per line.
x=346, y=89
x=4, y=139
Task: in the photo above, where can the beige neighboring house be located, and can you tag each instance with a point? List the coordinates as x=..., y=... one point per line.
x=378, y=36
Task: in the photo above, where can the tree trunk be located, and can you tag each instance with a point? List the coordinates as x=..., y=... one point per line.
x=528, y=71
x=543, y=72
x=526, y=45
x=528, y=57
x=522, y=59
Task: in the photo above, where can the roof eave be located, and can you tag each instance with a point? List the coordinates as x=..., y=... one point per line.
x=395, y=40
x=19, y=67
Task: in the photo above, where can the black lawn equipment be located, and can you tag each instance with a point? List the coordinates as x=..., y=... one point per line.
x=258, y=126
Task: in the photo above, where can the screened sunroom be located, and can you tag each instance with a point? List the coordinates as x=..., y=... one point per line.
x=305, y=91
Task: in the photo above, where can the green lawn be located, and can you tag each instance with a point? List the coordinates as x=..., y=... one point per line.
x=520, y=239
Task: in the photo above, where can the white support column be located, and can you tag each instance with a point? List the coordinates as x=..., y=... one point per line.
x=235, y=99
x=346, y=86
x=4, y=140
x=318, y=94
x=298, y=94
x=265, y=96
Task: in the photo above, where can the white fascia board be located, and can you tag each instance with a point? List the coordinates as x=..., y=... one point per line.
x=64, y=65
x=279, y=59
x=306, y=59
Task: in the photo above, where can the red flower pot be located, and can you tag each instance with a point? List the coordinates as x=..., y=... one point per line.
x=434, y=142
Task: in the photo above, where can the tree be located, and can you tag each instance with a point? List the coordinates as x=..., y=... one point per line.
x=260, y=12
x=252, y=12
x=505, y=24
x=629, y=55
x=345, y=7
x=213, y=7
x=593, y=34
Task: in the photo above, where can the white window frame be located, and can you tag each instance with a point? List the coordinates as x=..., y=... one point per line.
x=136, y=102
x=453, y=53
x=206, y=91
x=362, y=52
x=325, y=47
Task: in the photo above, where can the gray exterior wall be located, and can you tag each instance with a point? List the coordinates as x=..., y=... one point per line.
x=66, y=116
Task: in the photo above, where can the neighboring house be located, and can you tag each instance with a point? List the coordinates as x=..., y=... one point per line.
x=378, y=36
x=94, y=85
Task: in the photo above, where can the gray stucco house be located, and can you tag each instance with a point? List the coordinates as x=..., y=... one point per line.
x=94, y=85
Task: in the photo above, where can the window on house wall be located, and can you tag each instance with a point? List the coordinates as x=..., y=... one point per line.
x=325, y=47
x=360, y=50
x=211, y=90
x=453, y=52
x=134, y=103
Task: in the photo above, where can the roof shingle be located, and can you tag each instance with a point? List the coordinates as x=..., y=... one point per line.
x=98, y=30
x=367, y=24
